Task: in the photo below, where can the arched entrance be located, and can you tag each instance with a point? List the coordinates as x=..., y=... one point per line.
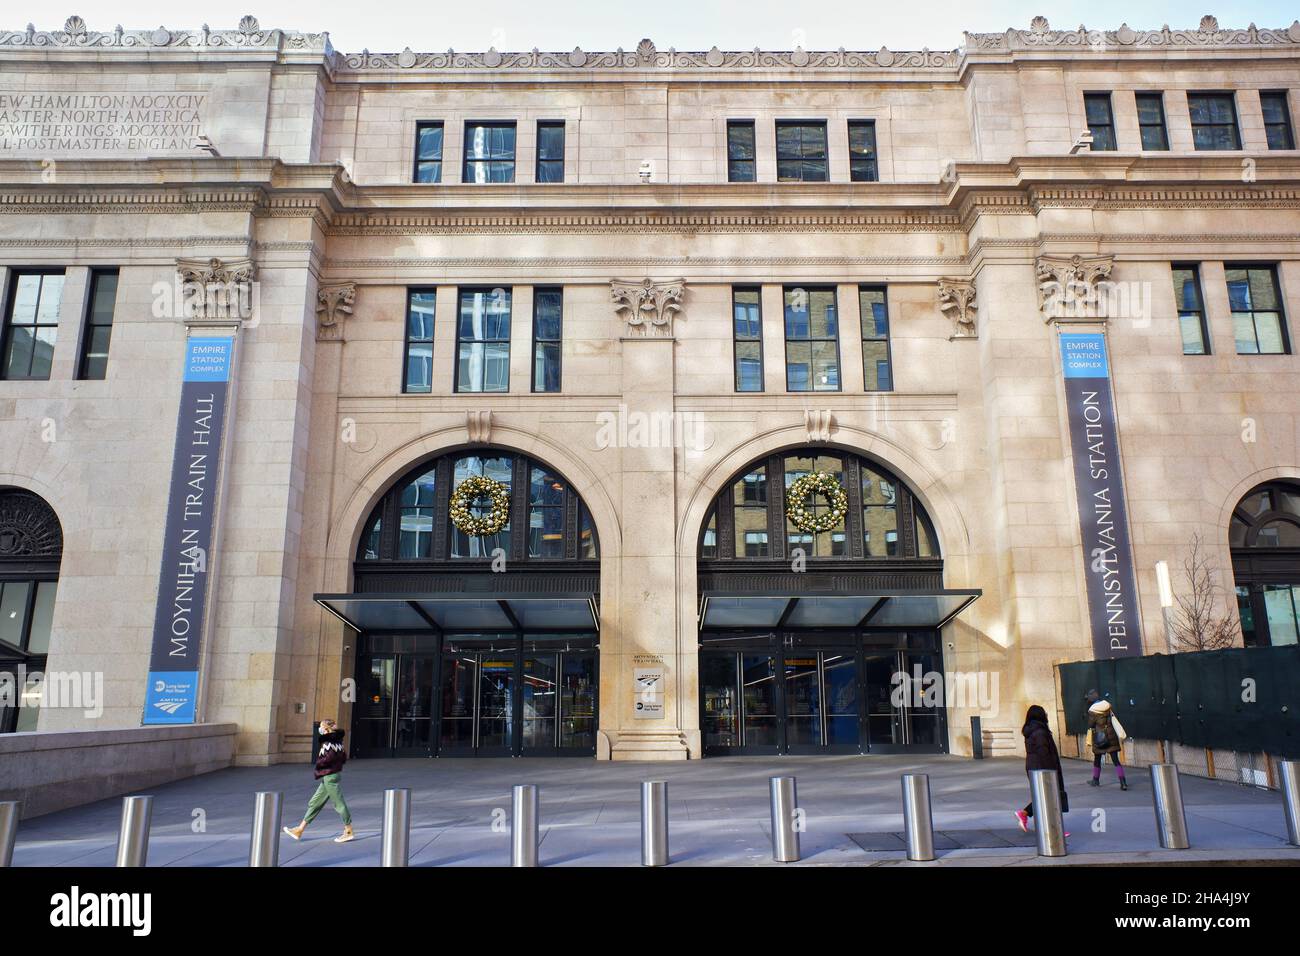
x=821, y=613
x=31, y=550
x=475, y=588
x=1265, y=538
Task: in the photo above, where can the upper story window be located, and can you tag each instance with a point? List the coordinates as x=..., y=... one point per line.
x=550, y=152
x=412, y=521
x=1214, y=121
x=747, y=338
x=801, y=151
x=548, y=322
x=489, y=153
x=428, y=152
x=740, y=151
x=1101, y=120
x=417, y=365
x=1277, y=119
x=483, y=341
x=1151, y=121
x=812, y=340
x=1258, y=320
x=862, y=152
x=31, y=323
x=1191, y=309
x=93, y=363
x=877, y=372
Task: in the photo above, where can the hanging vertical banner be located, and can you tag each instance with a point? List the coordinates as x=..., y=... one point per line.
x=1099, y=488
x=172, y=693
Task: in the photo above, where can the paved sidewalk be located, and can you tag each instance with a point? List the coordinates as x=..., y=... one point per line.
x=718, y=809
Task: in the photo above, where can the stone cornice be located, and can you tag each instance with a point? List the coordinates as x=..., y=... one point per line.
x=1209, y=35
x=248, y=36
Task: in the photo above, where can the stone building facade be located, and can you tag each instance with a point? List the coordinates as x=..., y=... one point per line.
x=732, y=268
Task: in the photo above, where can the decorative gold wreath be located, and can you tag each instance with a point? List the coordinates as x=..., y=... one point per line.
x=802, y=517
x=466, y=493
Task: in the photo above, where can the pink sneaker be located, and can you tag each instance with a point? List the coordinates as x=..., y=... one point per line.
x=1023, y=819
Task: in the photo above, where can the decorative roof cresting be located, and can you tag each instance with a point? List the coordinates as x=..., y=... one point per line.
x=248, y=34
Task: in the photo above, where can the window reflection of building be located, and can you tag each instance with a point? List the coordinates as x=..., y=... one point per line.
x=1264, y=535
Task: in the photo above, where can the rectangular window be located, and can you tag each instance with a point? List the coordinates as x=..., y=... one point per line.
x=1258, y=320
x=548, y=327
x=1214, y=121
x=1101, y=121
x=489, y=153
x=31, y=324
x=428, y=152
x=417, y=368
x=93, y=363
x=1191, y=310
x=749, y=498
x=876, y=371
x=1151, y=121
x=800, y=151
x=483, y=341
x=1277, y=119
x=812, y=340
x=740, y=151
x=862, y=151
x=747, y=336
x=550, y=152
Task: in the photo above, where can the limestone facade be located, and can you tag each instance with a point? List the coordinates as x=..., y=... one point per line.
x=307, y=172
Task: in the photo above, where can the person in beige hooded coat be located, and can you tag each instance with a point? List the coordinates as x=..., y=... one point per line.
x=1105, y=736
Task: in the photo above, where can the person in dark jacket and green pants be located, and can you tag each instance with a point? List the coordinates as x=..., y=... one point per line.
x=1040, y=754
x=329, y=770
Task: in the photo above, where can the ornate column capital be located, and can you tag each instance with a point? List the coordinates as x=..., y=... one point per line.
x=333, y=304
x=1068, y=286
x=217, y=291
x=649, y=306
x=957, y=301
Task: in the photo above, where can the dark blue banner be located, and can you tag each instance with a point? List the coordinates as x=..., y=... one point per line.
x=1099, y=488
x=172, y=693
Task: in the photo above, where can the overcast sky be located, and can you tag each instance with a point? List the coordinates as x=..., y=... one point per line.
x=435, y=25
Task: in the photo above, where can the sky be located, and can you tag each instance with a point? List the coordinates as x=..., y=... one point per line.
x=508, y=25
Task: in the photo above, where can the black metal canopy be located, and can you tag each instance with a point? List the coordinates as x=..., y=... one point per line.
x=458, y=613
x=900, y=610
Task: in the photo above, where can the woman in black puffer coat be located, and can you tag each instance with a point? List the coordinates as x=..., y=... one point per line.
x=1040, y=754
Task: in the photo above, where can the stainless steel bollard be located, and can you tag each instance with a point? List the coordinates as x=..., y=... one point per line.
x=654, y=823
x=133, y=838
x=785, y=836
x=264, y=842
x=1049, y=828
x=523, y=825
x=917, y=820
x=8, y=831
x=1171, y=824
x=1289, y=770
x=395, y=846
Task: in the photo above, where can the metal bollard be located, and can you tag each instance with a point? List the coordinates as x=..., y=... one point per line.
x=395, y=846
x=523, y=825
x=654, y=823
x=264, y=842
x=1049, y=828
x=785, y=802
x=1171, y=824
x=1289, y=770
x=917, y=820
x=8, y=831
x=133, y=838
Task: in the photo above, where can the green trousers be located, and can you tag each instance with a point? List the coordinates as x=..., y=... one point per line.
x=328, y=790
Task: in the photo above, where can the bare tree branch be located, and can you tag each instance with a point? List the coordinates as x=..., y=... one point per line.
x=1197, y=623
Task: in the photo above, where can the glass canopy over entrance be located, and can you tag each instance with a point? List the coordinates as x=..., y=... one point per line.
x=898, y=610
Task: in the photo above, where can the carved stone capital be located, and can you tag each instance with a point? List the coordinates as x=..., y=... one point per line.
x=217, y=290
x=647, y=306
x=1068, y=286
x=333, y=304
x=957, y=301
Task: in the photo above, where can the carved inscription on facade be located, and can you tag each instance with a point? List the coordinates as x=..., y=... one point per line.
x=64, y=122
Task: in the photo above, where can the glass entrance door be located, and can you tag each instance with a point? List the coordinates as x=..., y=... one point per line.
x=478, y=692
x=559, y=702
x=394, y=715
x=905, y=702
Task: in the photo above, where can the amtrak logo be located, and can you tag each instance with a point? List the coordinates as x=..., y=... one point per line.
x=170, y=706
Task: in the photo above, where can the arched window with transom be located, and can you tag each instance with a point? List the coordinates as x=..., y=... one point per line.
x=31, y=550
x=1264, y=535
